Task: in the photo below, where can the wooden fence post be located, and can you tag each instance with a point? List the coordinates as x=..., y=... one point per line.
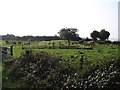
x=11, y=50
x=53, y=44
x=81, y=61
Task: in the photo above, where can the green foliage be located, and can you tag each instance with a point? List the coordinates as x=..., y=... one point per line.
x=42, y=70
x=102, y=35
x=104, y=77
x=60, y=68
x=69, y=34
x=95, y=34
x=38, y=70
x=8, y=37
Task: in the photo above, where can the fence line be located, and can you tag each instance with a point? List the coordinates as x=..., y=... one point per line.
x=4, y=51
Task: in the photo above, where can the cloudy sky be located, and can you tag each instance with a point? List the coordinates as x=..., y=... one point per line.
x=47, y=17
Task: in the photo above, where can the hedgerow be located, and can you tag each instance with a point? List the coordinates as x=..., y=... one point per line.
x=43, y=70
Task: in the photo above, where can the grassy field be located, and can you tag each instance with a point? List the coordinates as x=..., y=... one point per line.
x=97, y=48
x=100, y=54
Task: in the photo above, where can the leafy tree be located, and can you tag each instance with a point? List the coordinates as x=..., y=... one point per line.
x=69, y=34
x=95, y=34
x=104, y=35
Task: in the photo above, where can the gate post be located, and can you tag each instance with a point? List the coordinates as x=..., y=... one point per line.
x=11, y=50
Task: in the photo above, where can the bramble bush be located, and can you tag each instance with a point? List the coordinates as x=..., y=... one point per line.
x=42, y=70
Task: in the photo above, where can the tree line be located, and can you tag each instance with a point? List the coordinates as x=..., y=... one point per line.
x=64, y=34
x=29, y=38
x=72, y=34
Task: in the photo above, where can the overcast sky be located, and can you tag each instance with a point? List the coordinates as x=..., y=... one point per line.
x=47, y=17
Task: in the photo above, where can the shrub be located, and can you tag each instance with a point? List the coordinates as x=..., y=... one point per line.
x=42, y=70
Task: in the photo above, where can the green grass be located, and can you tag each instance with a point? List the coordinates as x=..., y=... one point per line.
x=98, y=52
